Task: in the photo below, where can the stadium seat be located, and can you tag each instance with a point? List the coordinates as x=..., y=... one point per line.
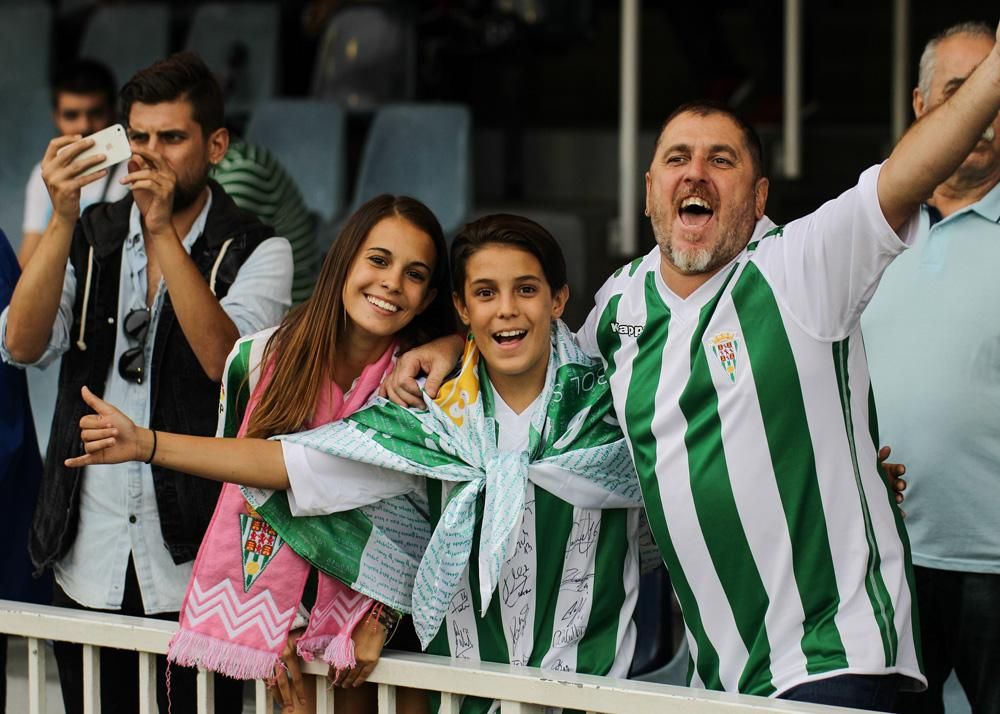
x=239, y=41
x=366, y=57
x=127, y=38
x=307, y=137
x=25, y=43
x=420, y=150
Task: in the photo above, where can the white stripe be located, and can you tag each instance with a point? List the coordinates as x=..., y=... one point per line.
x=838, y=491
x=880, y=506
x=516, y=590
x=460, y=620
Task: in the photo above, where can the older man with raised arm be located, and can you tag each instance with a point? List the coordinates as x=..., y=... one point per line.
x=144, y=299
x=737, y=370
x=932, y=333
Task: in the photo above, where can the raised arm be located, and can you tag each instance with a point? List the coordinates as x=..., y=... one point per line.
x=110, y=437
x=35, y=301
x=938, y=143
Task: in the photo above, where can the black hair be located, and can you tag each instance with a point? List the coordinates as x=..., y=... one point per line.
x=84, y=76
x=180, y=76
x=708, y=107
x=515, y=231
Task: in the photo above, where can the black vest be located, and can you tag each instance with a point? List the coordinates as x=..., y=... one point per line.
x=183, y=398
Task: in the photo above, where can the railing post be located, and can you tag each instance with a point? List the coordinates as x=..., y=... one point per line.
x=206, y=692
x=450, y=703
x=386, y=699
x=261, y=698
x=324, y=696
x=36, y=676
x=147, y=683
x=91, y=679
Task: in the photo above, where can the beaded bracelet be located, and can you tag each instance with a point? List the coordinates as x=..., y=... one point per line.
x=387, y=617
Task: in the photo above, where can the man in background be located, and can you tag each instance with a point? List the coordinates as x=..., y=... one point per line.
x=83, y=102
x=933, y=339
x=143, y=298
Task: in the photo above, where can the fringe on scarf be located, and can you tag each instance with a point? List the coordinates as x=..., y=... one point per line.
x=337, y=651
x=194, y=649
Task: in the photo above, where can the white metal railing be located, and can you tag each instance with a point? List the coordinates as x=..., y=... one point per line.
x=521, y=690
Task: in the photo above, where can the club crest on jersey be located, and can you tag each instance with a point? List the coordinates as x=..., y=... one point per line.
x=260, y=544
x=726, y=347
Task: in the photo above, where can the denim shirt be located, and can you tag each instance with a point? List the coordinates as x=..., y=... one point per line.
x=118, y=510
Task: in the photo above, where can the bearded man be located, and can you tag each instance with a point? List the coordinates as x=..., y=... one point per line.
x=738, y=374
x=143, y=298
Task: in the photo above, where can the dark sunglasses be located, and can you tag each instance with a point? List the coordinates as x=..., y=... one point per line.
x=133, y=361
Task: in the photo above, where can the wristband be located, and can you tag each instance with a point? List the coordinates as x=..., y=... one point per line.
x=153, y=452
x=387, y=617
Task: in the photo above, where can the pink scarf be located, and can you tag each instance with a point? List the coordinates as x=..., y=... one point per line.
x=246, y=588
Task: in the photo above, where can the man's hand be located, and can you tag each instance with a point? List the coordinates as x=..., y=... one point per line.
x=61, y=173
x=893, y=474
x=153, y=183
x=436, y=359
x=109, y=437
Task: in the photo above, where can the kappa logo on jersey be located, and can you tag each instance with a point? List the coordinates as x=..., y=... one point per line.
x=628, y=330
x=726, y=347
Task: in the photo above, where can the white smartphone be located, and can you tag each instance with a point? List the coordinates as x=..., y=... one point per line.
x=112, y=142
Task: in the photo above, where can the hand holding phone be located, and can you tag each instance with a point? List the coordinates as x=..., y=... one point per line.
x=112, y=142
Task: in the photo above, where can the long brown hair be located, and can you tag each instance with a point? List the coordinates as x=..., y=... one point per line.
x=304, y=347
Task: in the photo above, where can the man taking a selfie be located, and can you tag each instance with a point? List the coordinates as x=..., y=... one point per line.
x=155, y=290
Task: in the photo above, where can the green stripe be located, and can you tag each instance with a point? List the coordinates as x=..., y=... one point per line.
x=609, y=341
x=596, y=652
x=639, y=411
x=904, y=537
x=878, y=594
x=237, y=389
x=718, y=516
x=553, y=525
x=779, y=394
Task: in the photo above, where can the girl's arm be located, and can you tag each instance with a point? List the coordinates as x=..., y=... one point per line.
x=110, y=437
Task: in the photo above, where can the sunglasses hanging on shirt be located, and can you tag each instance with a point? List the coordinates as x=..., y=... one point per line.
x=132, y=363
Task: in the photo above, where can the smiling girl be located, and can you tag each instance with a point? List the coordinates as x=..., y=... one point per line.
x=534, y=555
x=382, y=286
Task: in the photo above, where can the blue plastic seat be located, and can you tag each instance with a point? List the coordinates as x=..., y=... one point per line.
x=25, y=42
x=423, y=151
x=307, y=137
x=239, y=41
x=127, y=38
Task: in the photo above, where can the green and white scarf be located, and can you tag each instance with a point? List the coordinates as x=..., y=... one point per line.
x=386, y=550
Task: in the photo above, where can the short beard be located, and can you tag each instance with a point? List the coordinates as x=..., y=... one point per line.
x=185, y=196
x=697, y=260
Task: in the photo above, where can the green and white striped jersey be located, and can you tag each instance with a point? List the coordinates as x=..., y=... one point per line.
x=566, y=593
x=748, y=411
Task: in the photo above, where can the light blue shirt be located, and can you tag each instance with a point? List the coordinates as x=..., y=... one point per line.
x=932, y=334
x=118, y=513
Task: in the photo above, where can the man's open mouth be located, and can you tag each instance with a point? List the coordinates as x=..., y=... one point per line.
x=695, y=211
